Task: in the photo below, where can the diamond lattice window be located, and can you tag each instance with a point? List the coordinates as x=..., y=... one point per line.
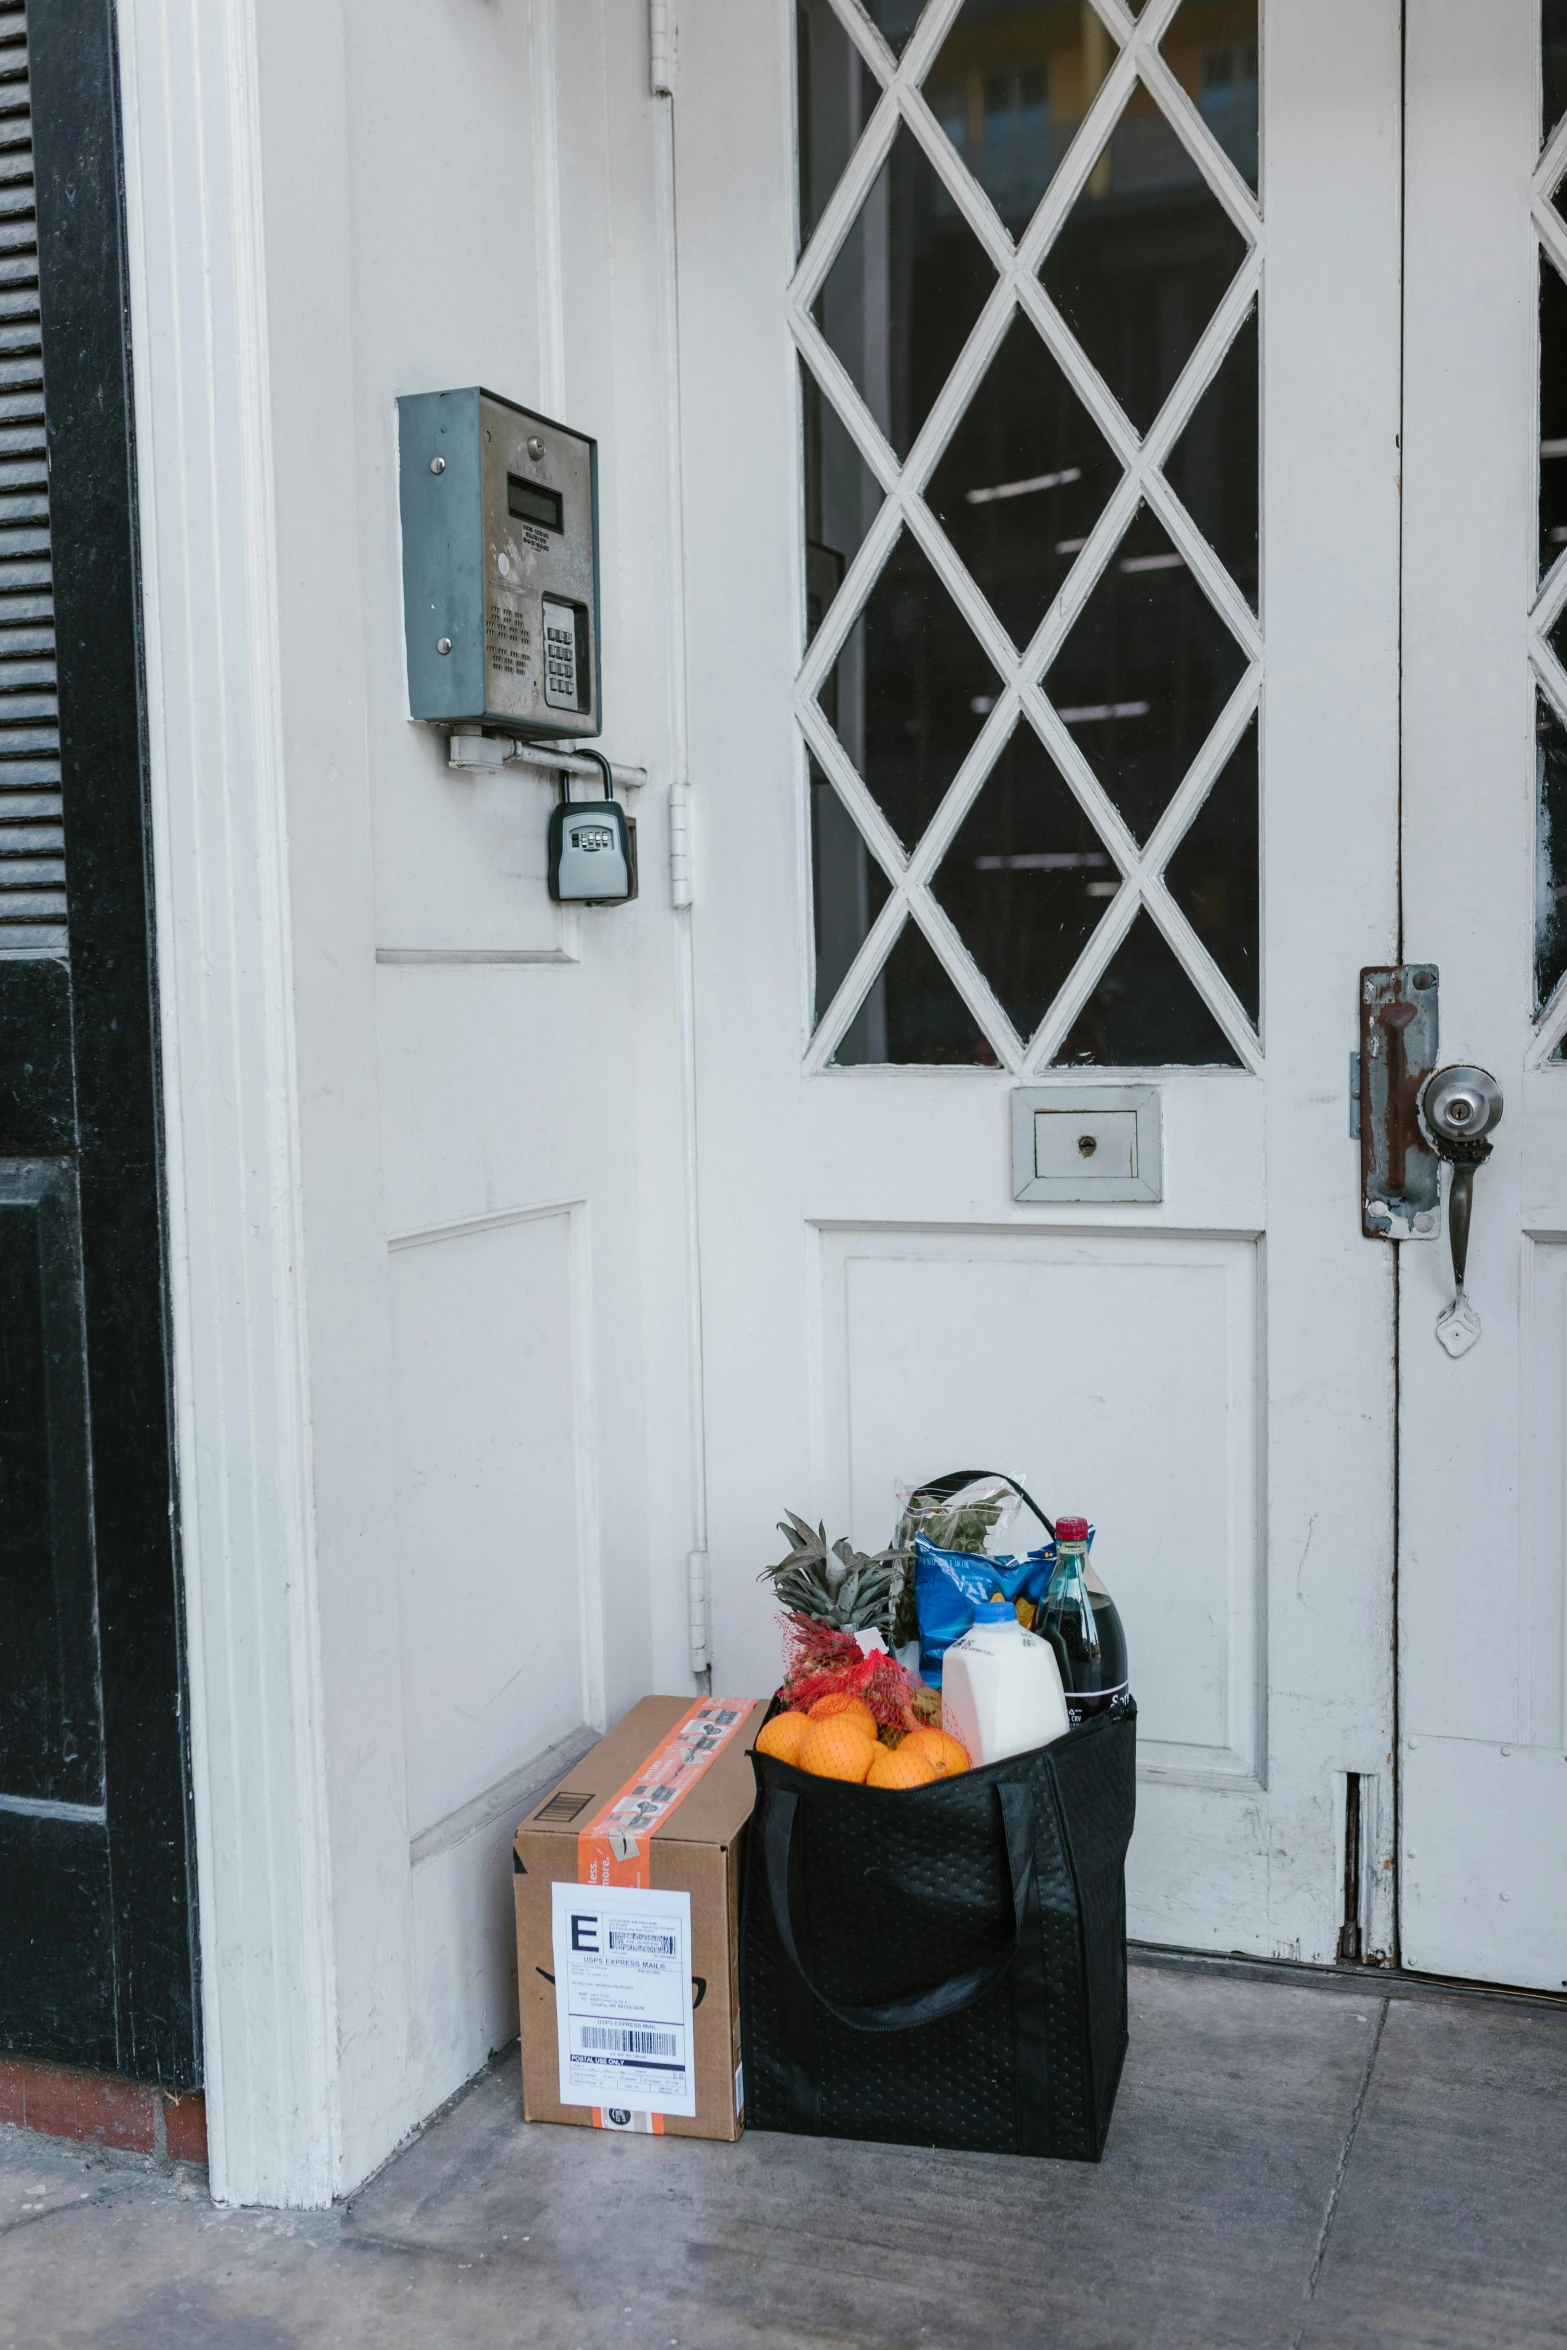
x=1027, y=315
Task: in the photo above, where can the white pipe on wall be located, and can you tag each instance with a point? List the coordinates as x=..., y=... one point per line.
x=681, y=878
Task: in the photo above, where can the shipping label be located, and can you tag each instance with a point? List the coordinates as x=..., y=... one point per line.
x=623, y=1998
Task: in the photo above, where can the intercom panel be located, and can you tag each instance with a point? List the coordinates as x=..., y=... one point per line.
x=500, y=565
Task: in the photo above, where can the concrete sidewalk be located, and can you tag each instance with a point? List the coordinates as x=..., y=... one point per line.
x=1292, y=2165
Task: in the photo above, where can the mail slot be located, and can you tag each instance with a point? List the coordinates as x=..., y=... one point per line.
x=1100, y=1142
x=1085, y=1143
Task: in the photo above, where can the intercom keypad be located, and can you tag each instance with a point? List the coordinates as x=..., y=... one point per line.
x=560, y=656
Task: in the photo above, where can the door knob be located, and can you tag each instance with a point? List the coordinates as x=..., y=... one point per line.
x=1460, y=1106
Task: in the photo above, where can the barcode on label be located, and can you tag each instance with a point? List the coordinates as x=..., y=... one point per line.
x=627, y=2040
x=641, y=1943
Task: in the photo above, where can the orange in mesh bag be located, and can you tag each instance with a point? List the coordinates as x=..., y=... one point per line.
x=821, y=1662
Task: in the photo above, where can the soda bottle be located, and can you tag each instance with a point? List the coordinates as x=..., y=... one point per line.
x=1079, y=1619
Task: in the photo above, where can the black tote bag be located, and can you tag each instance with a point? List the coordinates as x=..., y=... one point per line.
x=943, y=1965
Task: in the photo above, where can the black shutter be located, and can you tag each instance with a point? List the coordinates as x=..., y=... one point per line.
x=96, y=1913
x=32, y=834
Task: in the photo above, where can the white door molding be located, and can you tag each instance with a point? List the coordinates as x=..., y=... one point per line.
x=199, y=339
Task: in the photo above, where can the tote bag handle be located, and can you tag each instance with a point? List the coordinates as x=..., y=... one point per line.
x=925, y=2007
x=943, y=1488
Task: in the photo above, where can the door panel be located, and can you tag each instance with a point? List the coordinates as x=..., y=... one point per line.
x=1543, y=1649
x=57, y=1987
x=977, y=685
x=1484, y=1861
x=51, y=1731
x=1084, y=1335
x=488, y=1336
x=37, y=1077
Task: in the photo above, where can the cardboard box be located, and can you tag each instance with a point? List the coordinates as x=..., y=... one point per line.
x=656, y=1809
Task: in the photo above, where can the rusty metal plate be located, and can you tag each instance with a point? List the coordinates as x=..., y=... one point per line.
x=1400, y=1173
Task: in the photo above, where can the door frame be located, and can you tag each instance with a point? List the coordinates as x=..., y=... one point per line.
x=197, y=282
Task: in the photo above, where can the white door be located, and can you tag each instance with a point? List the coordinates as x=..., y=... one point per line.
x=1034, y=748
x=1483, y=1532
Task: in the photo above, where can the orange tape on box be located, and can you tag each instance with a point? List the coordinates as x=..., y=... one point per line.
x=612, y=1848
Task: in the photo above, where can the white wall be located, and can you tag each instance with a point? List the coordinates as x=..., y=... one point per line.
x=461, y=1291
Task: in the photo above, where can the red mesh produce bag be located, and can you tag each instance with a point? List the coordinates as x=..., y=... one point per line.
x=820, y=1662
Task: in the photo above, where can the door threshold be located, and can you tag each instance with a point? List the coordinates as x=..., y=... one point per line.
x=1383, y=1982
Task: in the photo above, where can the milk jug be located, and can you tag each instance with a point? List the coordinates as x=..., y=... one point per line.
x=1001, y=1688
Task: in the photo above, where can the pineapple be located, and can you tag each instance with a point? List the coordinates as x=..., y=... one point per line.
x=856, y=1591
x=852, y=1590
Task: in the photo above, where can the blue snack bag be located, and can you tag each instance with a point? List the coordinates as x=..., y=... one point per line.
x=948, y=1584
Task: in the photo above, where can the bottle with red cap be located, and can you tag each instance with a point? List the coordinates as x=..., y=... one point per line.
x=1079, y=1619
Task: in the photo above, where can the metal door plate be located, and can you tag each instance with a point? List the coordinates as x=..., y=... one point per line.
x=1400, y=1173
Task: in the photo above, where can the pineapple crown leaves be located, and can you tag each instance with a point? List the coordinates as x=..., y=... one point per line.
x=849, y=1589
x=810, y=1544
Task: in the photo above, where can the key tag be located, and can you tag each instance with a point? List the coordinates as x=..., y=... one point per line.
x=592, y=845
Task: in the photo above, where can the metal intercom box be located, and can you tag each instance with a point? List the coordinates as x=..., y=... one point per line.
x=500, y=565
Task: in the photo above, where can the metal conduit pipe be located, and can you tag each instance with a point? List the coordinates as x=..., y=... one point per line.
x=470, y=750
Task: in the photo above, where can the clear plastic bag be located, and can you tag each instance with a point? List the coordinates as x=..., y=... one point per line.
x=960, y=1539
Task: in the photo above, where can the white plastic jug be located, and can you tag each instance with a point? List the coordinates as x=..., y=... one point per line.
x=1001, y=1688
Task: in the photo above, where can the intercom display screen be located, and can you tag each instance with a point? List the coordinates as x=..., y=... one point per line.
x=530, y=501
